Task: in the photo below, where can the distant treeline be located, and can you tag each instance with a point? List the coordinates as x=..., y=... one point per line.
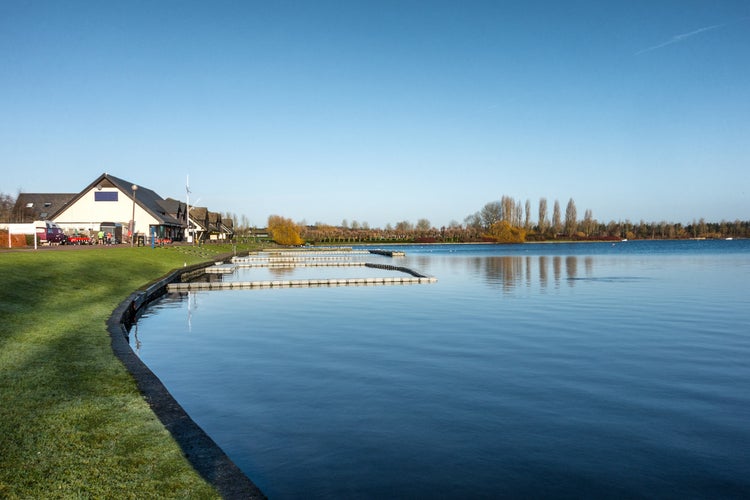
x=511, y=221
x=325, y=234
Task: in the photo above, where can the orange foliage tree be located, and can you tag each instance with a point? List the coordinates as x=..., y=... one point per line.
x=284, y=231
x=503, y=232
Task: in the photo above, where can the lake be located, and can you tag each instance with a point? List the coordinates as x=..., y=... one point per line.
x=537, y=370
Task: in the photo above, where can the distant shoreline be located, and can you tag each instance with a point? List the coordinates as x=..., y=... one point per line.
x=546, y=242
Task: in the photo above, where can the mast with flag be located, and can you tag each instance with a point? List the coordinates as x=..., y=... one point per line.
x=187, y=197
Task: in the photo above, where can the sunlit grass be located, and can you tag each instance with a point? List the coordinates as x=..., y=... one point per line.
x=72, y=422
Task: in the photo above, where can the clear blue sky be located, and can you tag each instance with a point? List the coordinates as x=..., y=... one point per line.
x=384, y=111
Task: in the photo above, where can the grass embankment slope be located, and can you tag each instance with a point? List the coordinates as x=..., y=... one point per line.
x=72, y=422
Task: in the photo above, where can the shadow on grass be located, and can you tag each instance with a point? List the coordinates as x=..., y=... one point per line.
x=72, y=422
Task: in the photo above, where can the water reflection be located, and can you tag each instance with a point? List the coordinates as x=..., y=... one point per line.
x=510, y=272
x=506, y=272
x=171, y=300
x=192, y=303
x=281, y=272
x=208, y=278
x=134, y=330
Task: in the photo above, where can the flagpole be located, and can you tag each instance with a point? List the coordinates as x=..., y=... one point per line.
x=187, y=197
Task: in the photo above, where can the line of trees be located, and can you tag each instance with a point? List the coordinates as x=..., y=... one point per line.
x=520, y=217
x=511, y=221
x=458, y=233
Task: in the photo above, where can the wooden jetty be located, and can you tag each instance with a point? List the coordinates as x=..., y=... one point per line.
x=333, y=258
x=388, y=253
x=221, y=269
x=291, y=258
x=239, y=285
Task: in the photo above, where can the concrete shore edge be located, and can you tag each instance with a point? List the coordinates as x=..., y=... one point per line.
x=206, y=457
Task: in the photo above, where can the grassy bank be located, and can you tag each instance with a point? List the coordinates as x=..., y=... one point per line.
x=72, y=423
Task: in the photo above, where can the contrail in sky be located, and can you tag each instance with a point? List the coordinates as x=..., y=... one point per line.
x=681, y=37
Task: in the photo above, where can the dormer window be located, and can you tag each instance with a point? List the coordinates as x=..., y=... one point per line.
x=47, y=204
x=30, y=204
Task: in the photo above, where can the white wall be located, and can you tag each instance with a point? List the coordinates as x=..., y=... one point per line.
x=19, y=227
x=86, y=213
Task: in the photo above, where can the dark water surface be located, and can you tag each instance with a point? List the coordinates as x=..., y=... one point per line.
x=571, y=370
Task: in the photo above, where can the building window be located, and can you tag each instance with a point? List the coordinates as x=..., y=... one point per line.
x=105, y=196
x=30, y=204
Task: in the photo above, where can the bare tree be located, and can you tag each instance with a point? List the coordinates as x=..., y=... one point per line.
x=527, y=221
x=491, y=213
x=588, y=223
x=7, y=203
x=571, y=218
x=518, y=215
x=556, y=219
x=702, y=227
x=473, y=221
x=508, y=208
x=543, y=221
x=404, y=226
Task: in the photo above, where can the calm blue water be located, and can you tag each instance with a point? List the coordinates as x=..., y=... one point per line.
x=580, y=370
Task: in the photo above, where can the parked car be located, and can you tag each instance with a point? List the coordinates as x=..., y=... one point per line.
x=49, y=232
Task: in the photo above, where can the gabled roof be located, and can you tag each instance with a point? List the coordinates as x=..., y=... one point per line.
x=172, y=207
x=214, y=222
x=144, y=197
x=227, y=226
x=199, y=216
x=30, y=207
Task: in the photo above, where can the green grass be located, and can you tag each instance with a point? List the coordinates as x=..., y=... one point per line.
x=72, y=422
